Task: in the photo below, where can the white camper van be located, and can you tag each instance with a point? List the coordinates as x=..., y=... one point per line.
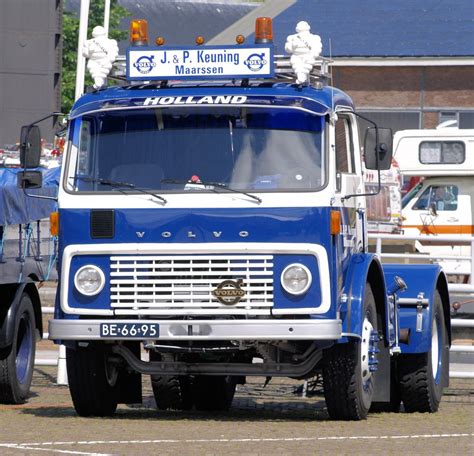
x=443, y=201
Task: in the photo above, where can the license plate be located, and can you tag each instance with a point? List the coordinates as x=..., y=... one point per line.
x=129, y=330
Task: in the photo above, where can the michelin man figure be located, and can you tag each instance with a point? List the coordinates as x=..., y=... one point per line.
x=304, y=48
x=101, y=52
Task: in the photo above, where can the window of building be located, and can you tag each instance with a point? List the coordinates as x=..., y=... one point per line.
x=449, y=116
x=396, y=120
x=466, y=120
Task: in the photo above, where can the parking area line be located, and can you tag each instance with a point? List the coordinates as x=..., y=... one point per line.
x=50, y=450
x=42, y=445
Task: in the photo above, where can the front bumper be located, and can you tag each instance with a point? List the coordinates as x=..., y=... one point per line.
x=205, y=330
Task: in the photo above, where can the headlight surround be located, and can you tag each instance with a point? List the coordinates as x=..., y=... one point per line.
x=296, y=279
x=89, y=280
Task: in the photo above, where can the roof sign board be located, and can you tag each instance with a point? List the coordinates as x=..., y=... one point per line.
x=216, y=62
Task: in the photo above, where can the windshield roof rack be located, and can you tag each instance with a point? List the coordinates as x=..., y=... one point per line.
x=320, y=76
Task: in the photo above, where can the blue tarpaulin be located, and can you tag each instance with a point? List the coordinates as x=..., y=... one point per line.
x=16, y=207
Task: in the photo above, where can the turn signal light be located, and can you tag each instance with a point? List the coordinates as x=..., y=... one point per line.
x=54, y=223
x=263, y=30
x=335, y=222
x=240, y=39
x=139, y=32
x=200, y=40
x=159, y=41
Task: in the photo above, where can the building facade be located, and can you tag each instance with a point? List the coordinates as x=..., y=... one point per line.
x=30, y=65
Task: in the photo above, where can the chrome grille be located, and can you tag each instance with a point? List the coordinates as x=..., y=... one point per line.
x=183, y=285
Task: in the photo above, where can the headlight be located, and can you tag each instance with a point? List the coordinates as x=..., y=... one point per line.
x=296, y=279
x=89, y=280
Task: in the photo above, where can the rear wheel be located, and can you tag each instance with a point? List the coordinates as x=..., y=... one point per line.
x=92, y=381
x=16, y=370
x=213, y=393
x=347, y=370
x=172, y=392
x=421, y=374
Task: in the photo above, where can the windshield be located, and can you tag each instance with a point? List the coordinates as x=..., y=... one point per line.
x=183, y=149
x=411, y=194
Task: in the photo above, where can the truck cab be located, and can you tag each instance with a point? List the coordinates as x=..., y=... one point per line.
x=211, y=213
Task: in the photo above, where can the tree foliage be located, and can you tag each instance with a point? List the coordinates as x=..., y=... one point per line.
x=71, y=36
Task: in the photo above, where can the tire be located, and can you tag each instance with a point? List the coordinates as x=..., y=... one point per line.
x=92, y=382
x=16, y=370
x=421, y=375
x=172, y=392
x=347, y=381
x=213, y=393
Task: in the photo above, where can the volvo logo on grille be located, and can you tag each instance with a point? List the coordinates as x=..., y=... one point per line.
x=229, y=292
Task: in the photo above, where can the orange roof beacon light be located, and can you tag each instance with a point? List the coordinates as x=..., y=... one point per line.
x=139, y=32
x=263, y=30
x=200, y=40
x=240, y=39
x=335, y=222
x=159, y=41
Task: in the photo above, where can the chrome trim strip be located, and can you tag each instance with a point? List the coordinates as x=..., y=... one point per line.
x=207, y=329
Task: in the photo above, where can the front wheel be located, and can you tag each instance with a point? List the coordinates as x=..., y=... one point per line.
x=422, y=374
x=92, y=381
x=348, y=370
x=16, y=370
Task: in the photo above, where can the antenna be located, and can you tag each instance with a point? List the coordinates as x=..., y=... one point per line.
x=330, y=76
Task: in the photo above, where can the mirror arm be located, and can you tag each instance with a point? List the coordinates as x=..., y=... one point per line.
x=52, y=198
x=53, y=114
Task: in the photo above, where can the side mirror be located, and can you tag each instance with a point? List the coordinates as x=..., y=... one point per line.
x=29, y=179
x=30, y=146
x=383, y=148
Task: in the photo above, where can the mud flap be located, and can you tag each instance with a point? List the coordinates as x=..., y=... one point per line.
x=382, y=375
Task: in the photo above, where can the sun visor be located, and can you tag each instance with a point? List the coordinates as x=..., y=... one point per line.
x=188, y=100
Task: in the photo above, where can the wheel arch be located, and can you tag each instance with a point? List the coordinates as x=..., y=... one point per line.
x=363, y=268
x=11, y=294
x=442, y=287
x=422, y=280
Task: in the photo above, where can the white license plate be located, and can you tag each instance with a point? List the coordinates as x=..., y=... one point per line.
x=129, y=330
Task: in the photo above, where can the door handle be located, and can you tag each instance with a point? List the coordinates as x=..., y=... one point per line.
x=453, y=219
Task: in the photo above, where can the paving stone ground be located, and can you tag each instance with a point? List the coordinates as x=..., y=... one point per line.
x=271, y=420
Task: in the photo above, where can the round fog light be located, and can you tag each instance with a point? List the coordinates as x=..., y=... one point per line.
x=296, y=279
x=89, y=280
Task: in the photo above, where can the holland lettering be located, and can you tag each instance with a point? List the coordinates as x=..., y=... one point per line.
x=208, y=99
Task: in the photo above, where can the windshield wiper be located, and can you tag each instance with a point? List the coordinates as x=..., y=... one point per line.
x=121, y=185
x=210, y=184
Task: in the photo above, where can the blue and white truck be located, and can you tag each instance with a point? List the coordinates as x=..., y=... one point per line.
x=212, y=212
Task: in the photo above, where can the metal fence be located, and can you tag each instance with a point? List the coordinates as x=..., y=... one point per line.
x=442, y=240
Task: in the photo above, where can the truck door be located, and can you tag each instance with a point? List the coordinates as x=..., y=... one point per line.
x=349, y=180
